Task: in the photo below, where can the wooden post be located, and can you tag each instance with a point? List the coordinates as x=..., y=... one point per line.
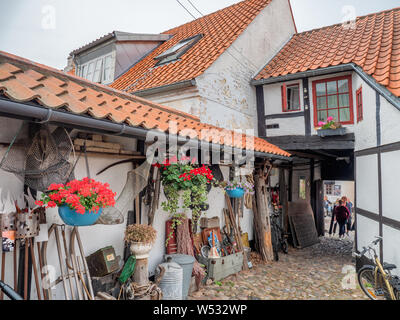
x=283, y=196
x=140, y=275
x=261, y=216
x=156, y=196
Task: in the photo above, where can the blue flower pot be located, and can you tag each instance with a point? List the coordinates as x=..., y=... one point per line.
x=235, y=193
x=73, y=218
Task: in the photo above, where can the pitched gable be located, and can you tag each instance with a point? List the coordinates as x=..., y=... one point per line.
x=374, y=45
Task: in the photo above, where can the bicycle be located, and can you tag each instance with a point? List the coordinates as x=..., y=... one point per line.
x=376, y=280
x=278, y=236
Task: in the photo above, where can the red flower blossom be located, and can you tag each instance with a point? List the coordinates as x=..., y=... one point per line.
x=80, y=195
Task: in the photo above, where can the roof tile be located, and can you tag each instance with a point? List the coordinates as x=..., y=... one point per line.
x=220, y=29
x=374, y=45
x=24, y=81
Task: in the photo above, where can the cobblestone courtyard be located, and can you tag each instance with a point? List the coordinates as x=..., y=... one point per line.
x=313, y=273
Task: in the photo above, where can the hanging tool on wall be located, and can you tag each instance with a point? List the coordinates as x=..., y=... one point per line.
x=72, y=267
x=236, y=231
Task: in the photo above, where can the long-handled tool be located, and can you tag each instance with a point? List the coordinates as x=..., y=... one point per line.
x=35, y=274
x=40, y=268
x=3, y=268
x=69, y=267
x=26, y=269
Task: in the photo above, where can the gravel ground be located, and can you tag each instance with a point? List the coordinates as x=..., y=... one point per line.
x=313, y=273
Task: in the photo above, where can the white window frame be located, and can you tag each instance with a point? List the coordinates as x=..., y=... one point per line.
x=98, y=67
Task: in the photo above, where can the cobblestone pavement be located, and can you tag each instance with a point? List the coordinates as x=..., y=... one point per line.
x=313, y=273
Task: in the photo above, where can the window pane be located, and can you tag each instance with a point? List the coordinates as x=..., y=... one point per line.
x=107, y=62
x=344, y=114
x=321, y=103
x=321, y=89
x=84, y=71
x=90, y=71
x=97, y=71
x=302, y=188
x=332, y=87
x=344, y=100
x=332, y=102
x=343, y=85
x=322, y=116
x=293, y=98
x=334, y=114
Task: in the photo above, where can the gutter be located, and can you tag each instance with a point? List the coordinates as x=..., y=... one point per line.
x=395, y=101
x=39, y=114
x=168, y=87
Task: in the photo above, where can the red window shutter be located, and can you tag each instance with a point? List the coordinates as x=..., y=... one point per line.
x=284, y=97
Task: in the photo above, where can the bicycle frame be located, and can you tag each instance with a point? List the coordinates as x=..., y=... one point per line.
x=379, y=268
x=385, y=276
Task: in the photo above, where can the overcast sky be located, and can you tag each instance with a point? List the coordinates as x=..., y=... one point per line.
x=46, y=31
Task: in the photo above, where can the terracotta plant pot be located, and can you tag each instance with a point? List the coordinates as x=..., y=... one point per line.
x=141, y=249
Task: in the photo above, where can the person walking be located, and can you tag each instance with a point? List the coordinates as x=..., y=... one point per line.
x=349, y=206
x=327, y=206
x=332, y=228
x=342, y=214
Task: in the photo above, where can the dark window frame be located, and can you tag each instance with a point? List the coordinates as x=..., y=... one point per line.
x=284, y=93
x=179, y=52
x=350, y=94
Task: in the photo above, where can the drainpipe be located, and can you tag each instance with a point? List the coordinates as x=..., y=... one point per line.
x=39, y=114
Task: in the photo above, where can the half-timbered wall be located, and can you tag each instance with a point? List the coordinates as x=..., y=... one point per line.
x=377, y=158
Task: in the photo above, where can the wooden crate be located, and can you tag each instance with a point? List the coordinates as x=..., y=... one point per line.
x=102, y=262
x=218, y=269
x=209, y=222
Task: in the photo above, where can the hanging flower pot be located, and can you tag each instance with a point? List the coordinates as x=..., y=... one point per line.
x=185, y=185
x=236, y=189
x=73, y=218
x=79, y=202
x=235, y=193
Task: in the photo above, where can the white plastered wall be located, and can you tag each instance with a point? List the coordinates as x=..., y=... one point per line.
x=94, y=237
x=228, y=99
x=99, y=236
x=296, y=125
x=367, y=171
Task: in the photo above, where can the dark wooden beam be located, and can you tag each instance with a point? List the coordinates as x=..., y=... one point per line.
x=262, y=130
x=395, y=224
x=385, y=148
x=307, y=112
x=327, y=154
x=307, y=155
x=284, y=115
x=313, y=142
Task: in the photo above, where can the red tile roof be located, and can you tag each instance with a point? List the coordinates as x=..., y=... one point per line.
x=374, y=45
x=220, y=30
x=22, y=80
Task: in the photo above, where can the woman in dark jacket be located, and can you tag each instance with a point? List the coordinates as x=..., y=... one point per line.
x=342, y=214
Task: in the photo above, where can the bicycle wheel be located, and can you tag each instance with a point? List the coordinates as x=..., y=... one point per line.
x=275, y=246
x=285, y=246
x=366, y=279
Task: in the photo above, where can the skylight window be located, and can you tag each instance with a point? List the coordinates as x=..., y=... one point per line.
x=177, y=50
